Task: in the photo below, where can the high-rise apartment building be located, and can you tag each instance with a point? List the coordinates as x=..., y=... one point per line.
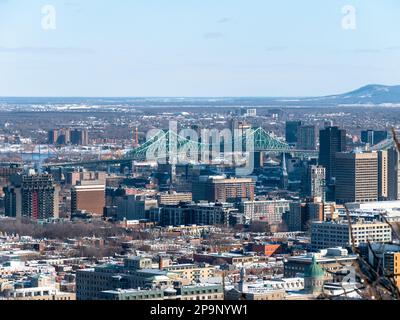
x=332, y=140
x=52, y=136
x=35, y=196
x=316, y=182
x=356, y=177
x=66, y=136
x=59, y=136
x=80, y=137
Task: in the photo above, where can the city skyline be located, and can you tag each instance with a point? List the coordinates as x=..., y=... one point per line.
x=174, y=154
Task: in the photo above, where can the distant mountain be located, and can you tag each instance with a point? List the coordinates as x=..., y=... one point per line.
x=373, y=94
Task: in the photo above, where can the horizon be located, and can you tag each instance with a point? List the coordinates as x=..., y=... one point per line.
x=193, y=97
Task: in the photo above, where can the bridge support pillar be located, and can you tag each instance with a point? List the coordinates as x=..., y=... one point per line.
x=126, y=166
x=258, y=159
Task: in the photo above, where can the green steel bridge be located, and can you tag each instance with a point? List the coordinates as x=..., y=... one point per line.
x=165, y=143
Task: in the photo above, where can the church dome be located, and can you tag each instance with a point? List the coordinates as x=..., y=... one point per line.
x=314, y=270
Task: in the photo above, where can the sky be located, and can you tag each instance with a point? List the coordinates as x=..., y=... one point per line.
x=183, y=48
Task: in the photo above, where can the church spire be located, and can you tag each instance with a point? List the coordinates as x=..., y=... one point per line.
x=284, y=175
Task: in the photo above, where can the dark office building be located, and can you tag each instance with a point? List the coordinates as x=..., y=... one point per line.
x=373, y=137
x=393, y=174
x=307, y=138
x=332, y=140
x=292, y=128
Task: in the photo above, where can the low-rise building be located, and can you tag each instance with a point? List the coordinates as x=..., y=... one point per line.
x=337, y=233
x=266, y=210
x=259, y=294
x=201, y=214
x=191, y=273
x=173, y=198
x=332, y=261
x=90, y=283
x=228, y=258
x=200, y=292
x=40, y=293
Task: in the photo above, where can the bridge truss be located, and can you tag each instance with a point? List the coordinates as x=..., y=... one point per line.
x=165, y=143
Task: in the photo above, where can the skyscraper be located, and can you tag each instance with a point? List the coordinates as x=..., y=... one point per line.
x=316, y=182
x=373, y=137
x=33, y=196
x=383, y=171
x=356, y=177
x=332, y=140
x=307, y=138
x=393, y=174
x=292, y=128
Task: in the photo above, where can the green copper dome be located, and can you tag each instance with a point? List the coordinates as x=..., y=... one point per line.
x=314, y=270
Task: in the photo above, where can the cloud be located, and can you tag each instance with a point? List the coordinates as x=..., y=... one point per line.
x=213, y=35
x=46, y=50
